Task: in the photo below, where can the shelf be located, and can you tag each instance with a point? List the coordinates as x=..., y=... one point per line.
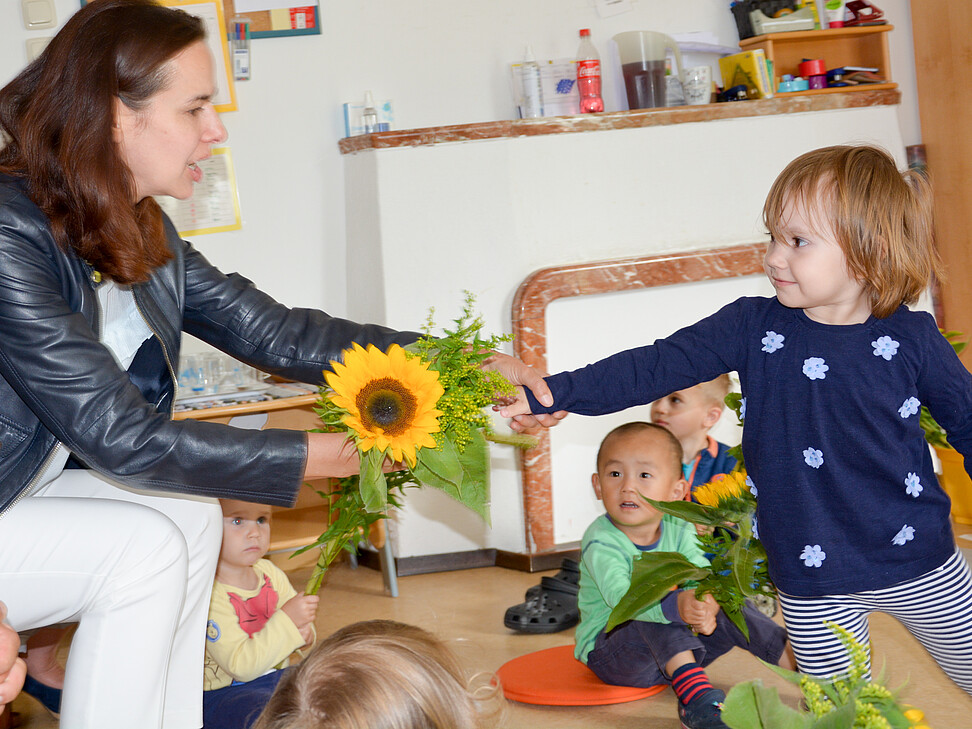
x=859, y=46
x=838, y=90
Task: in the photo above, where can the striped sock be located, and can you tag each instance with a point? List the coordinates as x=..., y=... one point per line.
x=690, y=682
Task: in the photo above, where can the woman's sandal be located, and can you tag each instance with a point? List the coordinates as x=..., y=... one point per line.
x=550, y=606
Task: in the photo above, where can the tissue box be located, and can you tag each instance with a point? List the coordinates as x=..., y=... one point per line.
x=352, y=117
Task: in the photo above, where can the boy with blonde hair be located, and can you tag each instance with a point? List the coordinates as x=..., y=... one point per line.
x=689, y=415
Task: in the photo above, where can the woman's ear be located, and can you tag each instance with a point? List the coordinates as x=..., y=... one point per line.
x=121, y=119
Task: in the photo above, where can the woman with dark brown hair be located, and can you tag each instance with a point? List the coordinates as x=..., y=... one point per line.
x=101, y=520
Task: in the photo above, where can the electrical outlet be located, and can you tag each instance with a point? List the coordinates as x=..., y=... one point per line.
x=38, y=14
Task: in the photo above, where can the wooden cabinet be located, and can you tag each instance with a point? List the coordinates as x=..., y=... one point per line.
x=860, y=46
x=943, y=47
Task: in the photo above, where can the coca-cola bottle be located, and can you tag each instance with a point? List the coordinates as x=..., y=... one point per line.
x=588, y=75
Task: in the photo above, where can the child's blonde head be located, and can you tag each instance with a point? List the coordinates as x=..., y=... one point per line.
x=881, y=217
x=715, y=391
x=379, y=674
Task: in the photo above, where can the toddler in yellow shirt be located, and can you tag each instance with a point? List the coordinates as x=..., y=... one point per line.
x=256, y=621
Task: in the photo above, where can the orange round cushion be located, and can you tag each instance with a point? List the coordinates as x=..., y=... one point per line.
x=553, y=677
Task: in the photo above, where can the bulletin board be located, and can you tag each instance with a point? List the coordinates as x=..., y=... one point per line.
x=301, y=18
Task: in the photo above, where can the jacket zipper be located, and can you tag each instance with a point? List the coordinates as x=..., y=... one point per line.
x=165, y=352
x=33, y=482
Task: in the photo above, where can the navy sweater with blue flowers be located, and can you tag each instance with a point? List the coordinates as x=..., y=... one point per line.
x=847, y=498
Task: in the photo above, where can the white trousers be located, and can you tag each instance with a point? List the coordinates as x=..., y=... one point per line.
x=135, y=571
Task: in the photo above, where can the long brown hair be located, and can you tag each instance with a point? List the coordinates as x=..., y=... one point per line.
x=57, y=116
x=882, y=218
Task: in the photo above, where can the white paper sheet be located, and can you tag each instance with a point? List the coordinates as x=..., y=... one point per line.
x=255, y=6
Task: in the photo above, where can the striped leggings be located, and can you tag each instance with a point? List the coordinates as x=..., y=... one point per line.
x=936, y=607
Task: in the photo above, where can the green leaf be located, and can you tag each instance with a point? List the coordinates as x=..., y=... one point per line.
x=791, y=676
x=440, y=467
x=751, y=705
x=371, y=482
x=840, y=718
x=474, y=491
x=463, y=476
x=690, y=511
x=735, y=614
x=653, y=575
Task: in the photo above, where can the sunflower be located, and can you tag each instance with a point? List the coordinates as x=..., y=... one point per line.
x=722, y=489
x=390, y=399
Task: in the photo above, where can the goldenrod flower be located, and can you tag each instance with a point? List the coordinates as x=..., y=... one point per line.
x=390, y=398
x=720, y=490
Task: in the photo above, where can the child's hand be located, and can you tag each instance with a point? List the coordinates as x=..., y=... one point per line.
x=699, y=615
x=12, y=667
x=516, y=405
x=302, y=609
x=307, y=633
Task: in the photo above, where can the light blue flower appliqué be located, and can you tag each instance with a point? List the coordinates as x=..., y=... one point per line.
x=813, y=457
x=814, y=368
x=755, y=528
x=742, y=409
x=909, y=407
x=885, y=347
x=906, y=534
x=772, y=342
x=813, y=556
x=752, y=486
x=913, y=485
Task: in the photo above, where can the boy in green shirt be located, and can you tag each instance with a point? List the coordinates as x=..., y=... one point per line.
x=670, y=641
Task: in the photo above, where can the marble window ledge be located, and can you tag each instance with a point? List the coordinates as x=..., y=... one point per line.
x=611, y=120
x=529, y=314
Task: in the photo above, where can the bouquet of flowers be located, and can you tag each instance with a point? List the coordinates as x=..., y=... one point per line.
x=737, y=570
x=851, y=702
x=421, y=408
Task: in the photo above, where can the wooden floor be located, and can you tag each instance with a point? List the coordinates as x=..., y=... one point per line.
x=466, y=608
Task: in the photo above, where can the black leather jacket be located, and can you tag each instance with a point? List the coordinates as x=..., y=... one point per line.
x=59, y=383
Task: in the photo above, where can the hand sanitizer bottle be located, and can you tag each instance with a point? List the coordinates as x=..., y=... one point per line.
x=369, y=117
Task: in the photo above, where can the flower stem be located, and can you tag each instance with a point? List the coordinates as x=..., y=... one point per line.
x=514, y=439
x=329, y=552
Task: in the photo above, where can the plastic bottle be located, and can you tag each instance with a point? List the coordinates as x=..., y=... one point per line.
x=531, y=104
x=588, y=75
x=369, y=117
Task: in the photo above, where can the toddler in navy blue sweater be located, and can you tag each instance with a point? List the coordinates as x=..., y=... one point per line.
x=834, y=370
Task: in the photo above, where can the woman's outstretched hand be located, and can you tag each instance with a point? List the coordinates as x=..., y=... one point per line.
x=523, y=375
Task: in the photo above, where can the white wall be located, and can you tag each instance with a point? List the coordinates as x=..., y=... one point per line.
x=441, y=61
x=483, y=215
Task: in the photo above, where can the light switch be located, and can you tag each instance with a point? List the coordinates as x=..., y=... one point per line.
x=36, y=46
x=38, y=14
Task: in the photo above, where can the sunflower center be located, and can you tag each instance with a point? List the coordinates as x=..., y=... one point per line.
x=386, y=404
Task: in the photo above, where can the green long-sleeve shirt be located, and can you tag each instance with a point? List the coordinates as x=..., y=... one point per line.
x=607, y=555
